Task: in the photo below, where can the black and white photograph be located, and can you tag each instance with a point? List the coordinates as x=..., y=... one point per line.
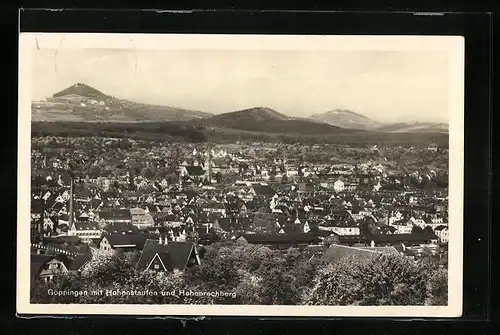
x=240, y=175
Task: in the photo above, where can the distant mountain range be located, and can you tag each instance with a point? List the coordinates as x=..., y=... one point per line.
x=351, y=120
x=267, y=120
x=82, y=103
x=414, y=127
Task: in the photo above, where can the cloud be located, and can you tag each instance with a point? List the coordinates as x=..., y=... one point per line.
x=385, y=85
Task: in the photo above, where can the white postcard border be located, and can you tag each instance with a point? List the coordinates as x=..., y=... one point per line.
x=29, y=42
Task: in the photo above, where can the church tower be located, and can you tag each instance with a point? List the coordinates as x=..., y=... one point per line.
x=208, y=164
x=71, y=200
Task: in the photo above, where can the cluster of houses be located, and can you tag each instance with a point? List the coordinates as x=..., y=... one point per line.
x=168, y=222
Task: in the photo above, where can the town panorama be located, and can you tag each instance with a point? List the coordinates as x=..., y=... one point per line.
x=249, y=207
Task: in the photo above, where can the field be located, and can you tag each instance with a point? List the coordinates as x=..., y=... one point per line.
x=169, y=130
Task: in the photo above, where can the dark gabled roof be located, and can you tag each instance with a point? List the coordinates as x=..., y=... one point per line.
x=232, y=206
x=244, y=222
x=64, y=217
x=59, y=240
x=170, y=217
x=305, y=186
x=138, y=239
x=233, y=224
x=402, y=222
x=86, y=226
x=37, y=206
x=79, y=261
x=208, y=217
x=349, y=239
x=195, y=170
x=291, y=227
x=57, y=206
x=281, y=239
x=234, y=235
x=83, y=248
x=263, y=190
x=383, y=250
x=186, y=210
x=226, y=224
x=175, y=254
x=343, y=224
x=395, y=238
x=120, y=227
x=62, y=227
x=117, y=214
x=336, y=252
x=323, y=233
x=151, y=208
x=214, y=205
x=121, y=239
x=208, y=239
x=164, y=256
x=283, y=208
x=94, y=203
x=201, y=231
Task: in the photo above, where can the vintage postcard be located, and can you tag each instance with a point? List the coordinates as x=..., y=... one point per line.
x=246, y=175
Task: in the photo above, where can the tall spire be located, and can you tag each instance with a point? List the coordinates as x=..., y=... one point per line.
x=209, y=163
x=41, y=222
x=71, y=200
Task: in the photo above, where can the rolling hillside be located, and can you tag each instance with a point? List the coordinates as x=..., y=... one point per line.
x=81, y=110
x=416, y=127
x=266, y=120
x=346, y=119
x=83, y=103
x=351, y=120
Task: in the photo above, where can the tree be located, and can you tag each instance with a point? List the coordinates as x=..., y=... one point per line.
x=40, y=292
x=277, y=284
x=304, y=272
x=387, y=280
x=104, y=269
x=218, y=271
x=437, y=287
x=256, y=275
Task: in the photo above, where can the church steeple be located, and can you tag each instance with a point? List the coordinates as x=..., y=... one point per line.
x=71, y=196
x=71, y=200
x=208, y=164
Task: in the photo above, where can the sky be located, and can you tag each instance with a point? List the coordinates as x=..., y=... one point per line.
x=388, y=86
